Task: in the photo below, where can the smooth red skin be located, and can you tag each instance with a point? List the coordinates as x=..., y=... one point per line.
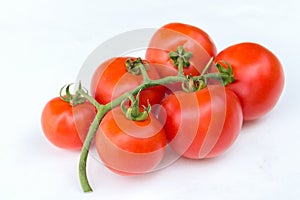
x=259, y=77
x=211, y=120
x=130, y=147
x=66, y=126
x=172, y=35
x=111, y=80
x=196, y=34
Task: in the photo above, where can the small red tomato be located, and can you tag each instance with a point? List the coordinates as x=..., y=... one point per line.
x=111, y=79
x=130, y=147
x=259, y=77
x=169, y=37
x=202, y=124
x=66, y=126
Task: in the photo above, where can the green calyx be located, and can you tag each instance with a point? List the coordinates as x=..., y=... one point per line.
x=180, y=57
x=133, y=65
x=193, y=84
x=225, y=72
x=75, y=99
x=196, y=83
x=133, y=112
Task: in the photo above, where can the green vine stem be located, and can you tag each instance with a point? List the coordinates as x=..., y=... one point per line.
x=85, y=150
x=103, y=109
x=70, y=98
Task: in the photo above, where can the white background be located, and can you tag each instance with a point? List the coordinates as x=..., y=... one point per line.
x=43, y=45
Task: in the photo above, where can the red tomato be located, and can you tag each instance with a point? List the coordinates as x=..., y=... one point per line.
x=130, y=147
x=191, y=38
x=111, y=80
x=66, y=126
x=259, y=77
x=201, y=124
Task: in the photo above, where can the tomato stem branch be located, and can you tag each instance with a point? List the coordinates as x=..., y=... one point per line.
x=144, y=72
x=204, y=71
x=89, y=98
x=180, y=67
x=86, y=146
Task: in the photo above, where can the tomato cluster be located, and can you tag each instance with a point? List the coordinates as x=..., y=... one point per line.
x=198, y=108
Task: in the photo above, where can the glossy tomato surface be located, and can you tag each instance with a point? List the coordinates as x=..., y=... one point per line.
x=259, y=77
x=130, y=147
x=111, y=80
x=202, y=124
x=191, y=38
x=66, y=126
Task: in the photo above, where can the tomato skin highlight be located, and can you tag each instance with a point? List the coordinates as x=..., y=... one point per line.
x=259, y=77
x=202, y=124
x=66, y=126
x=130, y=147
x=111, y=79
x=172, y=35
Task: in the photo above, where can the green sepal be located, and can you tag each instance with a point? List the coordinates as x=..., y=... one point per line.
x=180, y=56
x=133, y=111
x=132, y=65
x=75, y=99
x=193, y=84
x=226, y=73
